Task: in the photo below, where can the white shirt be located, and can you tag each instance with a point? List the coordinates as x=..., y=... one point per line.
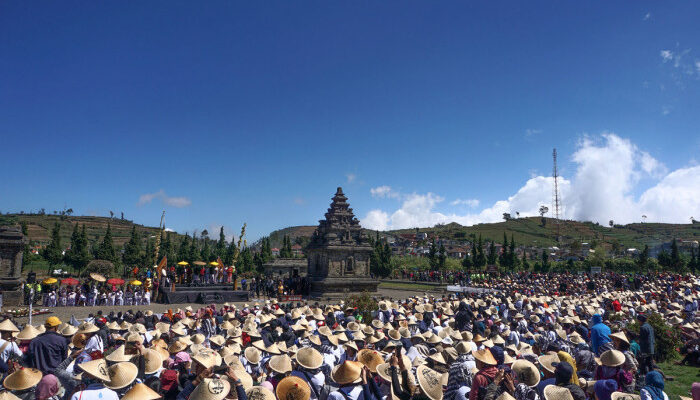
x=10, y=350
x=353, y=392
x=96, y=391
x=94, y=343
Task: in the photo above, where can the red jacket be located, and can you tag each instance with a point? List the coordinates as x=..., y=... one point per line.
x=481, y=380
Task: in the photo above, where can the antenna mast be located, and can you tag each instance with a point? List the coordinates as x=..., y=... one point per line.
x=555, y=195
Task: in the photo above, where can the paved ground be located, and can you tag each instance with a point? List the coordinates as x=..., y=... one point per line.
x=64, y=313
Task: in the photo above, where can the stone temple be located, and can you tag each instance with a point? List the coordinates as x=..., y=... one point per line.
x=338, y=254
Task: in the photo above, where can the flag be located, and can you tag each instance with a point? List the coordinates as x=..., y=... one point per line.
x=221, y=263
x=162, y=265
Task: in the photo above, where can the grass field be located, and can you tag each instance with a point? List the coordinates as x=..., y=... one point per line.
x=405, y=286
x=683, y=378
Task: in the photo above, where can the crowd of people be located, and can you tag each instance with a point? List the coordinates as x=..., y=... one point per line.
x=524, y=340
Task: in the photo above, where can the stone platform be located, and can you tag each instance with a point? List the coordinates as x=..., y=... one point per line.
x=205, y=294
x=341, y=288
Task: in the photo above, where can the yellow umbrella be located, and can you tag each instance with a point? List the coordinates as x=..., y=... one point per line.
x=199, y=263
x=183, y=263
x=135, y=283
x=213, y=263
x=50, y=281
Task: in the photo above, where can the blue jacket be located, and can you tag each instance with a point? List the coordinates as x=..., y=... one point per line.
x=600, y=333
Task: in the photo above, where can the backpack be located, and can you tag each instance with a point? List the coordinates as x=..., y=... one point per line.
x=481, y=394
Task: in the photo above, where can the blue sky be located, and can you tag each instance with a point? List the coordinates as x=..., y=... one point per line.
x=226, y=112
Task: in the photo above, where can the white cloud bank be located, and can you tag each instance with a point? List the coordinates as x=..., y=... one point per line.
x=178, y=202
x=609, y=169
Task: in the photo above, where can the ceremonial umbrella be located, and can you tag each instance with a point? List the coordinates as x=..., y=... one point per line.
x=183, y=263
x=97, y=277
x=213, y=263
x=199, y=263
x=50, y=281
x=69, y=281
x=135, y=282
x=115, y=281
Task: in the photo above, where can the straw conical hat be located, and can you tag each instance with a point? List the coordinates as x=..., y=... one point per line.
x=485, y=356
x=141, y=392
x=280, y=364
x=88, y=327
x=260, y=393
x=121, y=375
x=7, y=395
x=630, y=396
x=8, y=326
x=96, y=368
x=153, y=360
x=177, y=347
x=211, y=389
x=553, y=392
x=347, y=372
x=612, y=358
x=293, y=388
x=118, y=355
x=370, y=358
x=430, y=382
x=526, y=372
x=621, y=336
x=252, y=355
x=29, y=332
x=309, y=358
x=547, y=361
x=22, y=379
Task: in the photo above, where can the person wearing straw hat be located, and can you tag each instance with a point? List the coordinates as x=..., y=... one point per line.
x=351, y=378
x=486, y=363
x=611, y=368
x=23, y=382
x=563, y=377
x=309, y=362
x=122, y=375
x=94, y=377
x=8, y=344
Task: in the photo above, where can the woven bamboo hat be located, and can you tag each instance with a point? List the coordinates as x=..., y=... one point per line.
x=430, y=382
x=547, y=362
x=485, y=356
x=252, y=355
x=260, y=393
x=526, y=372
x=141, y=392
x=612, y=358
x=553, y=392
x=293, y=388
x=29, y=332
x=280, y=364
x=153, y=361
x=620, y=335
x=177, y=347
x=96, y=368
x=370, y=358
x=22, y=379
x=211, y=389
x=309, y=358
x=8, y=326
x=118, y=355
x=68, y=330
x=630, y=396
x=121, y=375
x=88, y=327
x=347, y=372
x=6, y=395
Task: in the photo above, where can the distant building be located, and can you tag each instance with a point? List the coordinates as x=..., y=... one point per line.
x=296, y=250
x=286, y=267
x=421, y=236
x=275, y=252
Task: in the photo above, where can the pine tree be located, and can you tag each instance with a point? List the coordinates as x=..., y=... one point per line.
x=480, y=257
x=221, y=244
x=193, y=252
x=132, y=249
x=545, y=261
x=442, y=257
x=503, y=257
x=53, y=253
x=79, y=254
x=466, y=263
x=492, y=256
x=513, y=259
x=148, y=261
x=676, y=261
x=205, y=255
x=525, y=263
x=643, y=259
x=231, y=252
x=183, y=251
x=105, y=250
x=432, y=255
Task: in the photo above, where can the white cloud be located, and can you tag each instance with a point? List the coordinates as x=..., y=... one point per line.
x=666, y=55
x=169, y=230
x=178, y=202
x=608, y=171
x=665, y=110
x=350, y=177
x=473, y=203
x=646, y=17
x=532, y=132
x=384, y=191
x=697, y=66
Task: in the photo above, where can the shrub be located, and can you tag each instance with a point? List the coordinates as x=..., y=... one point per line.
x=102, y=267
x=364, y=304
x=667, y=338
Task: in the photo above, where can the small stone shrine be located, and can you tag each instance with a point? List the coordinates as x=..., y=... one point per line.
x=11, y=246
x=338, y=254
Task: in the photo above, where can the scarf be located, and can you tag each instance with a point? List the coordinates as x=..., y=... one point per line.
x=564, y=356
x=654, y=384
